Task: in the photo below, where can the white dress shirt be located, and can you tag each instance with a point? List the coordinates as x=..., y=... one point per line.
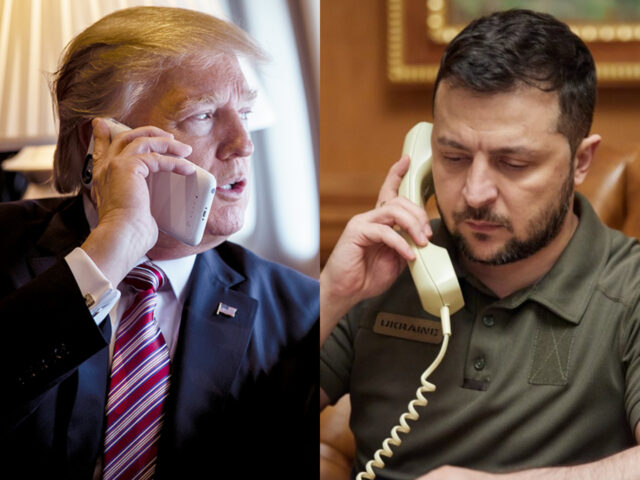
x=103, y=299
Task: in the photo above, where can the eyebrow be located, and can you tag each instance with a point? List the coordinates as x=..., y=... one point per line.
x=246, y=96
x=515, y=150
x=448, y=142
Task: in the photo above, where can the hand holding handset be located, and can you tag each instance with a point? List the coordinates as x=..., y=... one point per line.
x=180, y=204
x=433, y=275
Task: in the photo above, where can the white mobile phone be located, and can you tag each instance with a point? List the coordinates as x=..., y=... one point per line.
x=180, y=204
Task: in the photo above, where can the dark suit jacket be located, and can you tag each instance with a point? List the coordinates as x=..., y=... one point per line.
x=243, y=397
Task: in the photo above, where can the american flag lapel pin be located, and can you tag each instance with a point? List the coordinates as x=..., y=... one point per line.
x=227, y=310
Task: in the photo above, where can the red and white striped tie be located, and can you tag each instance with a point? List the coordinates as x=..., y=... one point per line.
x=139, y=384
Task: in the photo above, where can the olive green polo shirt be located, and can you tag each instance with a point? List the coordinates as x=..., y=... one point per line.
x=549, y=375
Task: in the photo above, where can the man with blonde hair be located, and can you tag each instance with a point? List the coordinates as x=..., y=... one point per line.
x=130, y=354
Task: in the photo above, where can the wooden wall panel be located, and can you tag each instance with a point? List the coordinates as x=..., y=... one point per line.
x=363, y=117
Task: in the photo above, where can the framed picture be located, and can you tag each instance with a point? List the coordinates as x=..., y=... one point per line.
x=418, y=30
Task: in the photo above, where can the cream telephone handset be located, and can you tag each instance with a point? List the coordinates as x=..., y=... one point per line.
x=432, y=271
x=433, y=276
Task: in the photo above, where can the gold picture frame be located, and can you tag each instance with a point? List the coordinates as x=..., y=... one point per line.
x=418, y=30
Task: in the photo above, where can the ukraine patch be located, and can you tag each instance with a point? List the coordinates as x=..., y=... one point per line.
x=410, y=328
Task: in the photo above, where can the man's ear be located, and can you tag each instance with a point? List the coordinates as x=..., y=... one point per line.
x=84, y=132
x=583, y=157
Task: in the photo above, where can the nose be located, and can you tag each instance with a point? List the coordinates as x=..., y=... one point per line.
x=235, y=141
x=479, y=188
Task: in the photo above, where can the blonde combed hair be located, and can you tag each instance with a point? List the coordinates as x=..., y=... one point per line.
x=111, y=65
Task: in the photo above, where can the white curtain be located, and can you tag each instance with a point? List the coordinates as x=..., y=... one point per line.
x=286, y=228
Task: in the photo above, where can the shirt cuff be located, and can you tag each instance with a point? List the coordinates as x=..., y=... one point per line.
x=98, y=293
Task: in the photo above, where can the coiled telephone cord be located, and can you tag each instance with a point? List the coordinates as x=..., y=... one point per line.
x=419, y=401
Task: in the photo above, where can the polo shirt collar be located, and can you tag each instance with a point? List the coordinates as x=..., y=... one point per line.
x=567, y=288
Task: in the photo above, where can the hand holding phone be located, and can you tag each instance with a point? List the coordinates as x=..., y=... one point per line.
x=179, y=204
x=434, y=277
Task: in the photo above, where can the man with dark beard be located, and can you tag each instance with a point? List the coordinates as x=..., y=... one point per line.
x=542, y=368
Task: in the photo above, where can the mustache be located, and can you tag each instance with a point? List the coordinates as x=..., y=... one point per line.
x=482, y=214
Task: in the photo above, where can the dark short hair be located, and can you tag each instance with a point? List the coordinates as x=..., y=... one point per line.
x=506, y=50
